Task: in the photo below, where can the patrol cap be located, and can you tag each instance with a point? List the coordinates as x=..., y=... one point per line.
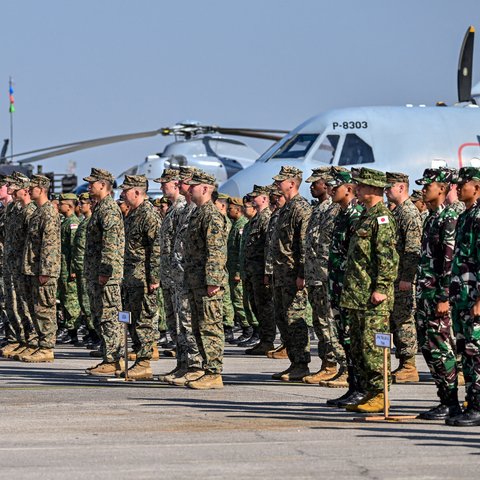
x=186, y=172
x=168, y=175
x=99, y=174
x=160, y=201
x=320, y=173
x=133, y=181
x=236, y=201
x=260, y=190
x=222, y=197
x=53, y=196
x=200, y=177
x=371, y=177
x=467, y=174
x=441, y=175
x=287, y=172
x=40, y=181
x=84, y=197
x=274, y=190
x=416, y=196
x=395, y=177
x=18, y=181
x=68, y=196
x=340, y=178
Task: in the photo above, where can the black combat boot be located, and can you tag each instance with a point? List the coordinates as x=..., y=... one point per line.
x=228, y=331
x=247, y=332
x=471, y=416
x=448, y=407
x=253, y=341
x=353, y=395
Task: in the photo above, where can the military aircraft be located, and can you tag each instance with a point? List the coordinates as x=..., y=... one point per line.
x=404, y=139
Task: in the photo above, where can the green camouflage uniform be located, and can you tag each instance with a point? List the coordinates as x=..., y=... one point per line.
x=228, y=313
x=3, y=311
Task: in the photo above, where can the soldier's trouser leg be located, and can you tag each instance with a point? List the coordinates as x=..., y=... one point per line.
x=143, y=308
x=188, y=355
x=170, y=312
x=106, y=302
x=228, y=313
x=14, y=332
x=402, y=324
x=207, y=327
x=84, y=301
x=259, y=296
x=44, y=298
x=25, y=308
x=368, y=358
x=291, y=315
x=435, y=338
x=162, y=323
x=68, y=297
x=236, y=294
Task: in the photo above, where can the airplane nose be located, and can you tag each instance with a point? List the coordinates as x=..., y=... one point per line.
x=230, y=187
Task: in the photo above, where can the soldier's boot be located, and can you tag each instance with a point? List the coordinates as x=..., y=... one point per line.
x=470, y=417
x=25, y=353
x=353, y=395
x=12, y=352
x=297, y=373
x=407, y=372
x=460, y=379
x=106, y=369
x=179, y=373
x=209, y=381
x=279, y=353
x=372, y=403
x=132, y=356
x=328, y=371
x=191, y=375
x=261, y=349
x=142, y=370
x=162, y=377
x=247, y=332
x=18, y=351
x=279, y=375
x=228, y=332
x=42, y=355
x=10, y=347
x=338, y=381
x=449, y=407
x=170, y=353
x=155, y=354
x=253, y=341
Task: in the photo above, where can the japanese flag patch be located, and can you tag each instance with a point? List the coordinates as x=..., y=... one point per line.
x=382, y=220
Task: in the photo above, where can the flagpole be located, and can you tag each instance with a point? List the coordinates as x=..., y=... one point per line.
x=11, y=110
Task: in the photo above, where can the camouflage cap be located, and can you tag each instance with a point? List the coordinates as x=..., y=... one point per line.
x=320, y=173
x=287, y=172
x=274, y=190
x=441, y=175
x=53, y=197
x=236, y=201
x=371, y=177
x=340, y=178
x=223, y=196
x=395, y=177
x=260, y=190
x=168, y=175
x=40, y=181
x=99, y=174
x=186, y=172
x=416, y=196
x=18, y=181
x=84, y=197
x=133, y=181
x=68, y=196
x=467, y=174
x=200, y=177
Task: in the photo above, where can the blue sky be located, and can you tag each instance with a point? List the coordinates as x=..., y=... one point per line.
x=96, y=68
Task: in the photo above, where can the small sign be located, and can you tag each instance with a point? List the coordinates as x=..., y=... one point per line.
x=124, y=317
x=383, y=340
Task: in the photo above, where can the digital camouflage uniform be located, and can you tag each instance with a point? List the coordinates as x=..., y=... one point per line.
x=42, y=256
x=104, y=256
x=205, y=264
x=141, y=269
x=372, y=264
x=3, y=312
x=435, y=335
x=288, y=256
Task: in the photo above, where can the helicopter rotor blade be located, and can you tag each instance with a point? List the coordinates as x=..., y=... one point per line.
x=465, y=64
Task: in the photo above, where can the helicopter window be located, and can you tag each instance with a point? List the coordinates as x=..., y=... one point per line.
x=326, y=150
x=355, y=151
x=297, y=147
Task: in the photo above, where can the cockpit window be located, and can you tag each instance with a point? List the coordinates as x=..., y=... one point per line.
x=297, y=146
x=326, y=150
x=355, y=151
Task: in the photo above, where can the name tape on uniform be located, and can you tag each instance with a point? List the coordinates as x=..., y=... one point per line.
x=383, y=340
x=124, y=317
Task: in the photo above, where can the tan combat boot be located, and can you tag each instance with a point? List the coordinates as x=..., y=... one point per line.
x=9, y=348
x=106, y=369
x=155, y=354
x=296, y=374
x=373, y=403
x=25, y=353
x=140, y=371
x=209, y=381
x=132, y=356
x=279, y=353
x=407, y=372
x=339, y=381
x=190, y=375
x=11, y=353
x=162, y=377
x=42, y=355
x=327, y=372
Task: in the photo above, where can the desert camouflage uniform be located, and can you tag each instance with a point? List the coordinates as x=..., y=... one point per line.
x=42, y=256
x=104, y=255
x=205, y=264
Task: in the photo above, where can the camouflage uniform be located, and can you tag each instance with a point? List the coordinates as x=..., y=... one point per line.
x=288, y=255
x=3, y=312
x=41, y=256
x=141, y=269
x=372, y=264
x=433, y=283
x=205, y=264
x=228, y=312
x=104, y=256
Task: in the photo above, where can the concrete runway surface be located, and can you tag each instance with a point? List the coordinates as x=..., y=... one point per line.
x=58, y=423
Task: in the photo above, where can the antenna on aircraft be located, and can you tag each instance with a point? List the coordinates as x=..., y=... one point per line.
x=465, y=64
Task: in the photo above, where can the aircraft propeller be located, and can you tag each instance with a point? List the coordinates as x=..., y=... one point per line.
x=465, y=64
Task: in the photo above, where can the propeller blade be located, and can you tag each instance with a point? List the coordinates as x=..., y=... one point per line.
x=465, y=64
x=264, y=134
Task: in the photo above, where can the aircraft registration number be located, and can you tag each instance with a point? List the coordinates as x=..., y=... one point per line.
x=349, y=125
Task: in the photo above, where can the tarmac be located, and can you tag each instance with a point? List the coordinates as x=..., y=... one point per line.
x=58, y=423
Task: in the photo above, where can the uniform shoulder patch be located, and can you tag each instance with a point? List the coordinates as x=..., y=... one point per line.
x=73, y=226
x=382, y=220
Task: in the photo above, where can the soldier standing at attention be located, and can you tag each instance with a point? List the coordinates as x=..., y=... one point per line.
x=141, y=272
x=464, y=295
x=104, y=254
x=205, y=277
x=317, y=245
x=41, y=264
x=289, y=292
x=417, y=199
x=67, y=285
x=371, y=270
x=409, y=235
x=434, y=325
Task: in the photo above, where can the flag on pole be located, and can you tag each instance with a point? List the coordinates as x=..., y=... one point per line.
x=12, y=99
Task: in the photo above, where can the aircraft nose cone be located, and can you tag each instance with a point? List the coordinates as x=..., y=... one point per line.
x=230, y=187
